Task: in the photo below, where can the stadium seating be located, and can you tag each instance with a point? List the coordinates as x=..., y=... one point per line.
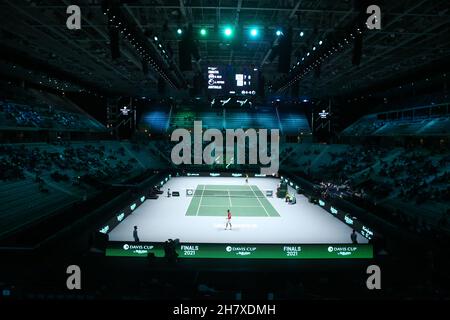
x=294, y=123
x=428, y=120
x=414, y=181
x=22, y=202
x=156, y=120
x=160, y=120
x=15, y=115
x=38, y=179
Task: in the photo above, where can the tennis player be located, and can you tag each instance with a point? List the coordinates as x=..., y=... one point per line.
x=228, y=220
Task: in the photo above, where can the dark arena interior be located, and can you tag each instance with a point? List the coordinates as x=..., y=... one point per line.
x=224, y=150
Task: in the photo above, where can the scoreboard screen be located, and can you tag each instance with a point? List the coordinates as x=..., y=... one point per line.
x=225, y=80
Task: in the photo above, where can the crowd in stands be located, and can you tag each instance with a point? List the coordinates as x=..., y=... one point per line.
x=68, y=163
x=9, y=170
x=417, y=178
x=363, y=127
x=67, y=120
x=43, y=117
x=414, y=177
x=23, y=115
x=329, y=189
x=413, y=174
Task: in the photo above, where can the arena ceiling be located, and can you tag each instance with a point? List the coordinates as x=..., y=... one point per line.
x=37, y=46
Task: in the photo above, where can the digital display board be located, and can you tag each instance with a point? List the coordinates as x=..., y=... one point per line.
x=225, y=80
x=216, y=79
x=244, y=251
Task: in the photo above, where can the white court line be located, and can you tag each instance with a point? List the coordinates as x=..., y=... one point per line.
x=238, y=226
x=217, y=206
x=259, y=201
x=200, y=203
x=229, y=198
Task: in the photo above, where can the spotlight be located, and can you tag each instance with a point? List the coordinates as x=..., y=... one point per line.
x=228, y=31
x=254, y=32
x=279, y=33
x=179, y=31
x=203, y=31
x=320, y=42
x=302, y=34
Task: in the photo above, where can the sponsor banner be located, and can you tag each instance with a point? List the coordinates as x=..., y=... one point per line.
x=212, y=174
x=245, y=251
x=227, y=174
x=132, y=249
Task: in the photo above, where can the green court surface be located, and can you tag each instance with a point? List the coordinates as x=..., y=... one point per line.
x=243, y=201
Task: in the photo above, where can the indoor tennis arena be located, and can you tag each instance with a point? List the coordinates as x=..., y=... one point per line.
x=257, y=218
x=196, y=153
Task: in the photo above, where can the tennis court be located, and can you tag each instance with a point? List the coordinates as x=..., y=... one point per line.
x=200, y=217
x=242, y=200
